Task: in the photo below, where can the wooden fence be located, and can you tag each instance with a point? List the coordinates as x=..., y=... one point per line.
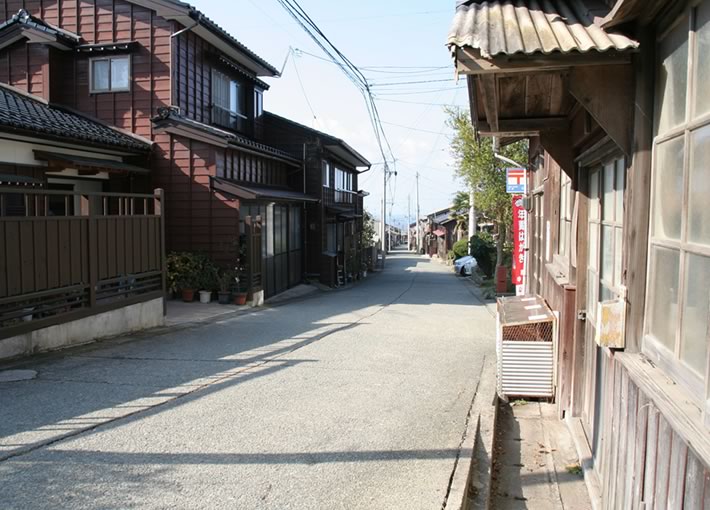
x=67, y=255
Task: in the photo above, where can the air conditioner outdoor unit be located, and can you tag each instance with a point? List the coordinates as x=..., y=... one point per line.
x=527, y=347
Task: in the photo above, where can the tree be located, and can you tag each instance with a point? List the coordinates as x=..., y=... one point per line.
x=481, y=171
x=368, y=230
x=460, y=207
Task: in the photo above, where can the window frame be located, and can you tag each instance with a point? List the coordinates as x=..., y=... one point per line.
x=562, y=258
x=109, y=59
x=671, y=360
x=325, y=172
x=595, y=258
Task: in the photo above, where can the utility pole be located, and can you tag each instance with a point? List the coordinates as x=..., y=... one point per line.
x=419, y=233
x=384, y=209
x=409, y=222
x=472, y=223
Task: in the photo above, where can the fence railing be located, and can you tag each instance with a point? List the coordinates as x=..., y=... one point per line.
x=66, y=255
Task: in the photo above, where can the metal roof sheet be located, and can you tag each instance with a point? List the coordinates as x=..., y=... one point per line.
x=507, y=27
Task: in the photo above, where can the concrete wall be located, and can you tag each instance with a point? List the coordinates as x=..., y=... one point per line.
x=117, y=322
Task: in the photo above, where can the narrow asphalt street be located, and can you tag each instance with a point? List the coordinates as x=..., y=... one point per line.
x=347, y=399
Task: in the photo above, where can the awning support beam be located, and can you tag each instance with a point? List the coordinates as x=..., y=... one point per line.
x=607, y=93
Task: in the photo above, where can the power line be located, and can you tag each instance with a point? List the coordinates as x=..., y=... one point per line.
x=397, y=83
x=303, y=89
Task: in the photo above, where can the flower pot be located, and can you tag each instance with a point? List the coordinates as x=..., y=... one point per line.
x=223, y=297
x=205, y=296
x=28, y=317
x=188, y=295
x=240, y=298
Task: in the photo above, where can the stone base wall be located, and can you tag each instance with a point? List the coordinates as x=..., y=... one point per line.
x=89, y=329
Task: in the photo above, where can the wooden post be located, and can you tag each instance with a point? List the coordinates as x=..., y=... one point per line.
x=158, y=204
x=86, y=210
x=249, y=229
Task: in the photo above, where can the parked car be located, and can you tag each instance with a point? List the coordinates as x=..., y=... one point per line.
x=465, y=265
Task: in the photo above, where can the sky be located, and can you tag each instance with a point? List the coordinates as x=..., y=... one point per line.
x=391, y=41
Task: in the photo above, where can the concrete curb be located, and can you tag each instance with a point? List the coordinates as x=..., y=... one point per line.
x=126, y=338
x=470, y=486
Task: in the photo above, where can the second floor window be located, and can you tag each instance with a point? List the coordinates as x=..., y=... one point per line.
x=111, y=74
x=343, y=180
x=326, y=174
x=229, y=99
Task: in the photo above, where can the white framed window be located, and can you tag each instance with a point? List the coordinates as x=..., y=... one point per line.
x=566, y=211
x=229, y=101
x=110, y=74
x=343, y=180
x=326, y=174
x=258, y=103
x=678, y=280
x=607, y=183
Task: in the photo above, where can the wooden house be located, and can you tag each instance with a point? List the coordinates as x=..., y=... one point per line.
x=192, y=97
x=333, y=224
x=610, y=95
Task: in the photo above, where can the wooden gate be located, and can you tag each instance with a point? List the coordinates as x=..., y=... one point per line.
x=67, y=255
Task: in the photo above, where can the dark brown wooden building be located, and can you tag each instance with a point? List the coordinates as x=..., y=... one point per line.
x=611, y=96
x=333, y=237
x=168, y=75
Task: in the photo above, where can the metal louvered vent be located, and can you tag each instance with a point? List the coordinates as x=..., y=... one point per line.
x=527, y=347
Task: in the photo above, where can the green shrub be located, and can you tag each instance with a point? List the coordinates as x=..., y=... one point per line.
x=483, y=249
x=460, y=248
x=187, y=270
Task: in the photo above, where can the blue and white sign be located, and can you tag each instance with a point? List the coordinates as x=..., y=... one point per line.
x=515, y=181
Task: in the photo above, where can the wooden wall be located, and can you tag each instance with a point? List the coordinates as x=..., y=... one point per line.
x=30, y=67
x=643, y=460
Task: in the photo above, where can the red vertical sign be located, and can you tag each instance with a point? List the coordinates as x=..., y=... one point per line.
x=519, y=233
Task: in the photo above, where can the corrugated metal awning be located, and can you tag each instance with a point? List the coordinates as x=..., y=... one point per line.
x=527, y=27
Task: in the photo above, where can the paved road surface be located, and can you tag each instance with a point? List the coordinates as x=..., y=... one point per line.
x=348, y=399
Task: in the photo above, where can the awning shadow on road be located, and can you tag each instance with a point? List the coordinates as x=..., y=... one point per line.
x=88, y=458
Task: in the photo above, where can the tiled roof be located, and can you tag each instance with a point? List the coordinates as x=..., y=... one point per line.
x=507, y=27
x=213, y=27
x=328, y=139
x=22, y=112
x=167, y=114
x=24, y=18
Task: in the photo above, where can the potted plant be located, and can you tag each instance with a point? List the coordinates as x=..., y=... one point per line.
x=240, y=296
x=240, y=271
x=208, y=276
x=187, y=287
x=225, y=286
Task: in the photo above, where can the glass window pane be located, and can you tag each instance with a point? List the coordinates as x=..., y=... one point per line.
x=593, y=246
x=672, y=78
x=607, y=254
x=594, y=195
x=608, y=202
x=606, y=293
x=99, y=74
x=668, y=189
x=694, y=340
x=702, y=65
x=618, y=244
x=699, y=187
x=619, y=189
x=233, y=96
x=663, y=295
x=119, y=73
x=592, y=291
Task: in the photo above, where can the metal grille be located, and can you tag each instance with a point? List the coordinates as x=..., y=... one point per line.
x=533, y=332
